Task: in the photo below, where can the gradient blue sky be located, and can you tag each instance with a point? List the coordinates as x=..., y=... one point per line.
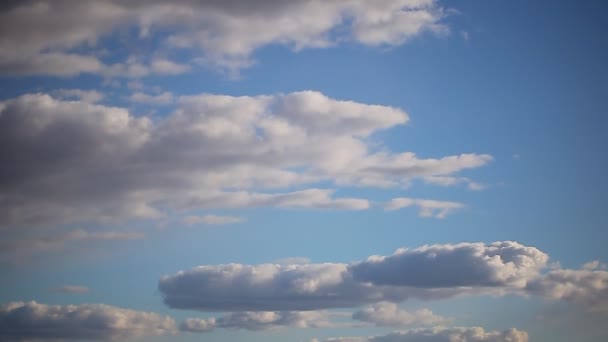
x=524, y=82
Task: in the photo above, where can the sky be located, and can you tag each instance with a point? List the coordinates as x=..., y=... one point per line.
x=307, y=170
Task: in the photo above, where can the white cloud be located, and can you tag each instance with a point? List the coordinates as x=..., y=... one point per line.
x=460, y=334
x=34, y=321
x=211, y=220
x=428, y=272
x=426, y=207
x=386, y=314
x=36, y=38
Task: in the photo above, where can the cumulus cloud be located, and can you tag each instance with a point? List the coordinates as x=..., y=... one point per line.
x=426, y=207
x=40, y=37
x=69, y=161
x=70, y=289
x=262, y=320
x=385, y=314
x=428, y=272
x=211, y=220
x=461, y=334
x=35, y=321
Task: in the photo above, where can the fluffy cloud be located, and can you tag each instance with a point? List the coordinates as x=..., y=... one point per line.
x=19, y=321
x=70, y=161
x=427, y=272
x=426, y=207
x=474, y=334
x=262, y=320
x=40, y=37
x=385, y=314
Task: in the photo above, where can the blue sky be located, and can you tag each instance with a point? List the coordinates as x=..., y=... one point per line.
x=268, y=150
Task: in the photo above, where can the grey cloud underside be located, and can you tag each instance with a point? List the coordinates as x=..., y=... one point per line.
x=42, y=37
x=34, y=321
x=428, y=272
x=461, y=334
x=70, y=161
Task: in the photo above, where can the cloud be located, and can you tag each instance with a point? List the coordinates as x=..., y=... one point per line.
x=429, y=272
x=385, y=314
x=70, y=161
x=426, y=207
x=211, y=220
x=40, y=37
x=463, y=334
x=70, y=289
x=262, y=320
x=32, y=320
